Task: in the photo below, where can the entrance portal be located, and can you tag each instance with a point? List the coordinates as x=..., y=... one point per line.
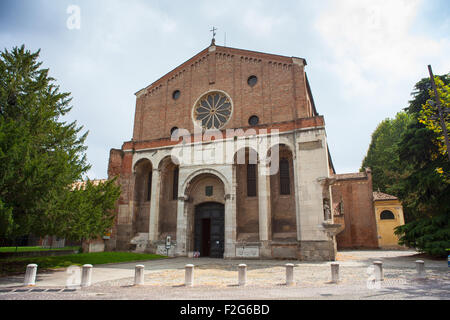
x=209, y=230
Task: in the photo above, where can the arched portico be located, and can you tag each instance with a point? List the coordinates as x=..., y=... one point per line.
x=199, y=190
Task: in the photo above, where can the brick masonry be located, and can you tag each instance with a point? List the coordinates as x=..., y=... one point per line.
x=282, y=226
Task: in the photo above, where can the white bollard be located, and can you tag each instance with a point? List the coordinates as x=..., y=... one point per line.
x=30, y=275
x=420, y=267
x=242, y=274
x=86, y=275
x=189, y=275
x=378, y=270
x=139, y=275
x=335, y=272
x=289, y=274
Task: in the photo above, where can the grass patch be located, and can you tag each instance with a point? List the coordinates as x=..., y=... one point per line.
x=34, y=249
x=18, y=265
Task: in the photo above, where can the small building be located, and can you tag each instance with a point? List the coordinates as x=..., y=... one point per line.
x=389, y=215
x=368, y=218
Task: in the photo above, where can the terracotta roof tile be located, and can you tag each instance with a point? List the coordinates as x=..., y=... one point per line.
x=377, y=196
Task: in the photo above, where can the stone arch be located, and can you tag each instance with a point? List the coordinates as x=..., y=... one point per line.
x=185, y=185
x=142, y=187
x=168, y=197
x=282, y=195
x=139, y=158
x=246, y=173
x=195, y=190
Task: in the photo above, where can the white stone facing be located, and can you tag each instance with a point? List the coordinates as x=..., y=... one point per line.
x=247, y=252
x=140, y=241
x=311, y=164
x=161, y=249
x=154, y=205
x=310, y=157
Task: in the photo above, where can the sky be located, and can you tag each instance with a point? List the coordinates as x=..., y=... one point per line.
x=364, y=56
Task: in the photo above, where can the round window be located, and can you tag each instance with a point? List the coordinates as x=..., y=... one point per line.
x=253, y=120
x=213, y=110
x=252, y=81
x=176, y=94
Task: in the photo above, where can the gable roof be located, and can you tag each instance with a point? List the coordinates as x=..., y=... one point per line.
x=380, y=196
x=225, y=50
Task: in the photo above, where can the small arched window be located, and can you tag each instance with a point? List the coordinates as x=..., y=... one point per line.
x=387, y=215
x=285, y=181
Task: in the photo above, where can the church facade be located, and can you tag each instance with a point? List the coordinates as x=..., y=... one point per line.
x=229, y=159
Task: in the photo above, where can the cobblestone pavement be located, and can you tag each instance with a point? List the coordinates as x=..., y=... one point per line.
x=217, y=279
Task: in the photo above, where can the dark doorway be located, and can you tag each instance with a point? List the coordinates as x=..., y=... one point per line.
x=206, y=237
x=209, y=230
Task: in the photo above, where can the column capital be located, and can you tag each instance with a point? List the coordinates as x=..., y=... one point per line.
x=230, y=196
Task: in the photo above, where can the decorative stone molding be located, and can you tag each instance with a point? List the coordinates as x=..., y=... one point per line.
x=325, y=181
x=332, y=229
x=229, y=196
x=310, y=145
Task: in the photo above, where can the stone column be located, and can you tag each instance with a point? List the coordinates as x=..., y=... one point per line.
x=335, y=272
x=230, y=226
x=242, y=275
x=230, y=211
x=263, y=201
x=420, y=267
x=139, y=275
x=30, y=275
x=86, y=275
x=154, y=205
x=378, y=270
x=189, y=275
x=181, y=248
x=289, y=274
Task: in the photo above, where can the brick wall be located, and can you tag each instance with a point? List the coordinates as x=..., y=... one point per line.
x=355, y=190
x=279, y=95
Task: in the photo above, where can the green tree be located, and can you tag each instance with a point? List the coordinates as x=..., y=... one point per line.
x=41, y=156
x=430, y=117
x=86, y=212
x=382, y=155
x=424, y=194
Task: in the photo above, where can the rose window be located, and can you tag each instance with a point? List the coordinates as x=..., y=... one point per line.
x=213, y=110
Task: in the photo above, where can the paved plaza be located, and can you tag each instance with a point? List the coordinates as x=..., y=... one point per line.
x=218, y=279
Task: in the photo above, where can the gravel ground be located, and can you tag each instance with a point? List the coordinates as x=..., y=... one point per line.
x=217, y=279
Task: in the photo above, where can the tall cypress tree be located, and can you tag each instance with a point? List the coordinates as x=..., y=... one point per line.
x=40, y=154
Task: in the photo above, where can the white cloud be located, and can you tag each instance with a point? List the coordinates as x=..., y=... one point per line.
x=373, y=47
